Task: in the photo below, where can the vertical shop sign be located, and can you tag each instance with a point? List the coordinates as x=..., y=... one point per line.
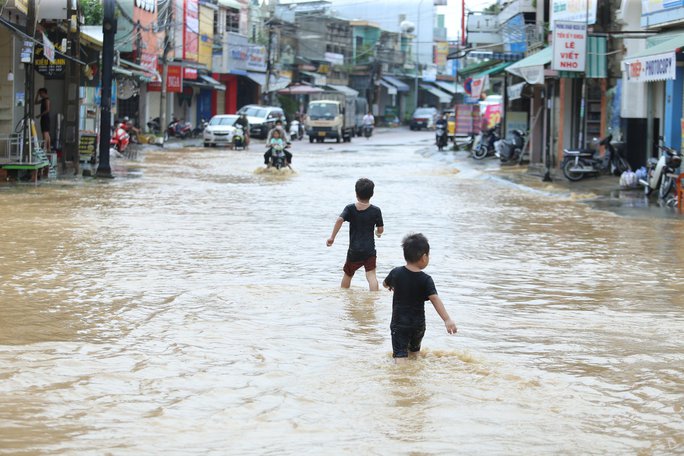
x=191, y=31
x=569, y=46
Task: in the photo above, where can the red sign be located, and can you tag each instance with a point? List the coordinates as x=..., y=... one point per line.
x=189, y=73
x=174, y=80
x=191, y=30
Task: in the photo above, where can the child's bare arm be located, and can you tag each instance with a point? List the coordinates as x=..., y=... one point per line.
x=336, y=229
x=441, y=310
x=379, y=231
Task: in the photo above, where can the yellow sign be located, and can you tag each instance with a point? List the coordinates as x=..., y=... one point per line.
x=441, y=52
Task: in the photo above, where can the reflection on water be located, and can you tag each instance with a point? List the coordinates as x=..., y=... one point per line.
x=195, y=309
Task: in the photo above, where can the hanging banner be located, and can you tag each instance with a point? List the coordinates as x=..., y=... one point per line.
x=479, y=85
x=515, y=91
x=657, y=67
x=573, y=10
x=174, y=80
x=569, y=46
x=48, y=49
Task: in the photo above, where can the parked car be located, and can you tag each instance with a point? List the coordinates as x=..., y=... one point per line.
x=423, y=118
x=261, y=119
x=220, y=130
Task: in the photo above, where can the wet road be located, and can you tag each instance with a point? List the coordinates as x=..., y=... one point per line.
x=192, y=307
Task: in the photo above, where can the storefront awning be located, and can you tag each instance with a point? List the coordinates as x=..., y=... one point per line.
x=213, y=82
x=348, y=91
x=477, y=68
x=275, y=83
x=449, y=87
x=531, y=68
x=655, y=63
x=391, y=90
x=493, y=71
x=300, y=89
x=442, y=96
x=401, y=87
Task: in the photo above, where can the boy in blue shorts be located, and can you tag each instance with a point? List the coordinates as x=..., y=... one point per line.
x=363, y=218
x=412, y=287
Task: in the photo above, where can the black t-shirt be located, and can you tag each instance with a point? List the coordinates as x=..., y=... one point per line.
x=361, y=227
x=411, y=290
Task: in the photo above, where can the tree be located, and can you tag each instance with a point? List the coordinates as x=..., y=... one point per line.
x=92, y=11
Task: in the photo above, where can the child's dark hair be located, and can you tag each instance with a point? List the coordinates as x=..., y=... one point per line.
x=415, y=246
x=364, y=188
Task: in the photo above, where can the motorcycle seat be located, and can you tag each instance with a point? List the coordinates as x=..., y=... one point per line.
x=579, y=152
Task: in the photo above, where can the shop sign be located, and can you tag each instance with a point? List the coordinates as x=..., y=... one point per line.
x=492, y=115
x=191, y=31
x=656, y=6
x=190, y=73
x=27, y=51
x=651, y=68
x=149, y=61
x=335, y=59
x=573, y=10
x=569, y=46
x=87, y=145
x=174, y=80
x=21, y=6
x=243, y=55
x=476, y=86
x=441, y=51
x=49, y=70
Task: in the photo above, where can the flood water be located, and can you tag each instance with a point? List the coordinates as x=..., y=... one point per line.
x=191, y=307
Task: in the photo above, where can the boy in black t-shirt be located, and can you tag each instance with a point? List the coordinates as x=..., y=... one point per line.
x=363, y=218
x=412, y=287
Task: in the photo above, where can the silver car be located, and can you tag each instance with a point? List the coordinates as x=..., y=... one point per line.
x=220, y=130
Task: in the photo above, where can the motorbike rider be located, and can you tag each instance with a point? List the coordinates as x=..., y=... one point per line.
x=276, y=137
x=283, y=135
x=244, y=123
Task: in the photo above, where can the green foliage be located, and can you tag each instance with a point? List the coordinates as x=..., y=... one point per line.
x=92, y=11
x=289, y=105
x=493, y=9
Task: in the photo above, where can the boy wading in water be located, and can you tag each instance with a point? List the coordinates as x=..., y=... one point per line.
x=363, y=218
x=412, y=287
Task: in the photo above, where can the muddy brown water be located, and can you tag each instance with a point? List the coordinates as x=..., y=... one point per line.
x=194, y=309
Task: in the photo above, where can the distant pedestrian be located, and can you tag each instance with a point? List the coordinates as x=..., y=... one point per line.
x=412, y=287
x=44, y=116
x=363, y=218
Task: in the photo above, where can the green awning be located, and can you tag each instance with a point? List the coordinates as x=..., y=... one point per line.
x=495, y=69
x=477, y=68
x=596, y=60
x=661, y=45
x=531, y=68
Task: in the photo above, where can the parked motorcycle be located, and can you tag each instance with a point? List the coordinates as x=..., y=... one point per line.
x=238, y=137
x=367, y=131
x=579, y=163
x=483, y=146
x=441, y=138
x=660, y=172
x=199, y=129
x=119, y=139
x=296, y=131
x=179, y=129
x=511, y=150
x=154, y=125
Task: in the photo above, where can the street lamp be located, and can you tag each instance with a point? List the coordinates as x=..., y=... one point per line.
x=415, y=93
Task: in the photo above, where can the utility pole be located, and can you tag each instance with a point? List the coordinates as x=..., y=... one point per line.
x=108, y=32
x=28, y=96
x=165, y=67
x=267, y=85
x=72, y=81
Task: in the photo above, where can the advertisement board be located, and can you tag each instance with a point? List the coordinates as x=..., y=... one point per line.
x=573, y=10
x=569, y=46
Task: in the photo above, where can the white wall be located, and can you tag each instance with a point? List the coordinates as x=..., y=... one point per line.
x=633, y=104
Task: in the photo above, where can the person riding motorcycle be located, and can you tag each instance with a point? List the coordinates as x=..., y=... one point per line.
x=244, y=123
x=277, y=138
x=283, y=135
x=368, y=123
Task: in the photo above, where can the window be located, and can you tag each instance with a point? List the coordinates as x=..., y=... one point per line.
x=233, y=20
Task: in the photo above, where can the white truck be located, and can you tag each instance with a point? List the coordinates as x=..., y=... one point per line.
x=331, y=114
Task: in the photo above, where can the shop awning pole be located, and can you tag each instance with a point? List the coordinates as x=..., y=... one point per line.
x=108, y=31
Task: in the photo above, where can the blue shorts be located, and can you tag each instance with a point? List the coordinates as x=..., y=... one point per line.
x=405, y=340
